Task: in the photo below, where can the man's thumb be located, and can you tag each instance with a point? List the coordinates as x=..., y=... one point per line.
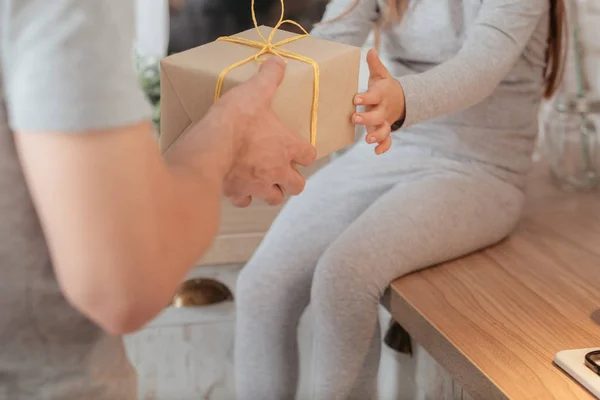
x=270, y=75
x=376, y=67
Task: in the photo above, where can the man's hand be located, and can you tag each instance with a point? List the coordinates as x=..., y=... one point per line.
x=384, y=104
x=266, y=151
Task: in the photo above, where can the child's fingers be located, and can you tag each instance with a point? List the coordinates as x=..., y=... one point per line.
x=378, y=135
x=376, y=67
x=241, y=201
x=374, y=117
x=384, y=146
x=371, y=98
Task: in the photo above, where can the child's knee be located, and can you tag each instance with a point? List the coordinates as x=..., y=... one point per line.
x=251, y=288
x=266, y=289
x=345, y=274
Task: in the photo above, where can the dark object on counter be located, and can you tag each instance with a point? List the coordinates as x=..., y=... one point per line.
x=592, y=361
x=397, y=338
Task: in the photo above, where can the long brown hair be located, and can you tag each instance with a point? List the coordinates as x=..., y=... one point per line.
x=555, y=54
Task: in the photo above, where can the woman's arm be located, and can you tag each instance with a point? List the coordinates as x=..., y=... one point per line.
x=352, y=29
x=491, y=48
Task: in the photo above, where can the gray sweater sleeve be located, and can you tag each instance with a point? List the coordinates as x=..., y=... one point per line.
x=68, y=65
x=353, y=29
x=493, y=45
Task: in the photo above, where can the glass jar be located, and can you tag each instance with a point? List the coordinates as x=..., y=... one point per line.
x=571, y=136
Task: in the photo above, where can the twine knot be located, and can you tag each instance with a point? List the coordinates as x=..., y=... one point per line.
x=268, y=47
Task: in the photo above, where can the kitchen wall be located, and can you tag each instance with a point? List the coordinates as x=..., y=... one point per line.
x=152, y=27
x=153, y=32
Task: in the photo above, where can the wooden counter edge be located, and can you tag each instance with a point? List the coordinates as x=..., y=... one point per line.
x=458, y=365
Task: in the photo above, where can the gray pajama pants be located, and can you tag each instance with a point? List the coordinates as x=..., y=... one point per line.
x=362, y=222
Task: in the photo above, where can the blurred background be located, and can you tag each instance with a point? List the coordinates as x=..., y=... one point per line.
x=170, y=26
x=196, y=22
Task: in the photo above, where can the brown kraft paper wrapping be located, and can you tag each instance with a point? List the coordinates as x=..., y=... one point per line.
x=188, y=82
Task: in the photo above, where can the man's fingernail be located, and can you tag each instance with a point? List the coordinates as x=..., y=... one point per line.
x=358, y=100
x=372, y=139
x=358, y=119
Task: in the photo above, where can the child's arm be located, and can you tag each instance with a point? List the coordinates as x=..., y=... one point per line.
x=353, y=28
x=493, y=45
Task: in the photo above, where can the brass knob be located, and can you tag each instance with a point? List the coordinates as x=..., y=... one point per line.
x=201, y=292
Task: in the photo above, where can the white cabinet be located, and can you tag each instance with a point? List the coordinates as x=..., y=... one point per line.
x=187, y=362
x=242, y=229
x=187, y=354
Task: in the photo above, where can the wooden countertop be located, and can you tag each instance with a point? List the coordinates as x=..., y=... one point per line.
x=495, y=320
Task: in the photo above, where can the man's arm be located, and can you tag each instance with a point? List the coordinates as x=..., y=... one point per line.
x=123, y=224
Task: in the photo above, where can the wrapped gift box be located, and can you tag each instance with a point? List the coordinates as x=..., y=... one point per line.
x=189, y=79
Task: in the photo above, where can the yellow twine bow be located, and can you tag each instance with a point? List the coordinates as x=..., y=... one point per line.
x=268, y=47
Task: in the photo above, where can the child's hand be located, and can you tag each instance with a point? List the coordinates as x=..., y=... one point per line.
x=384, y=104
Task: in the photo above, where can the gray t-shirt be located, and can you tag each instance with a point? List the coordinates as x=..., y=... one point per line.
x=65, y=65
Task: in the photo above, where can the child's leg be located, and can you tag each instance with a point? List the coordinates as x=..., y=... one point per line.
x=445, y=213
x=274, y=287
